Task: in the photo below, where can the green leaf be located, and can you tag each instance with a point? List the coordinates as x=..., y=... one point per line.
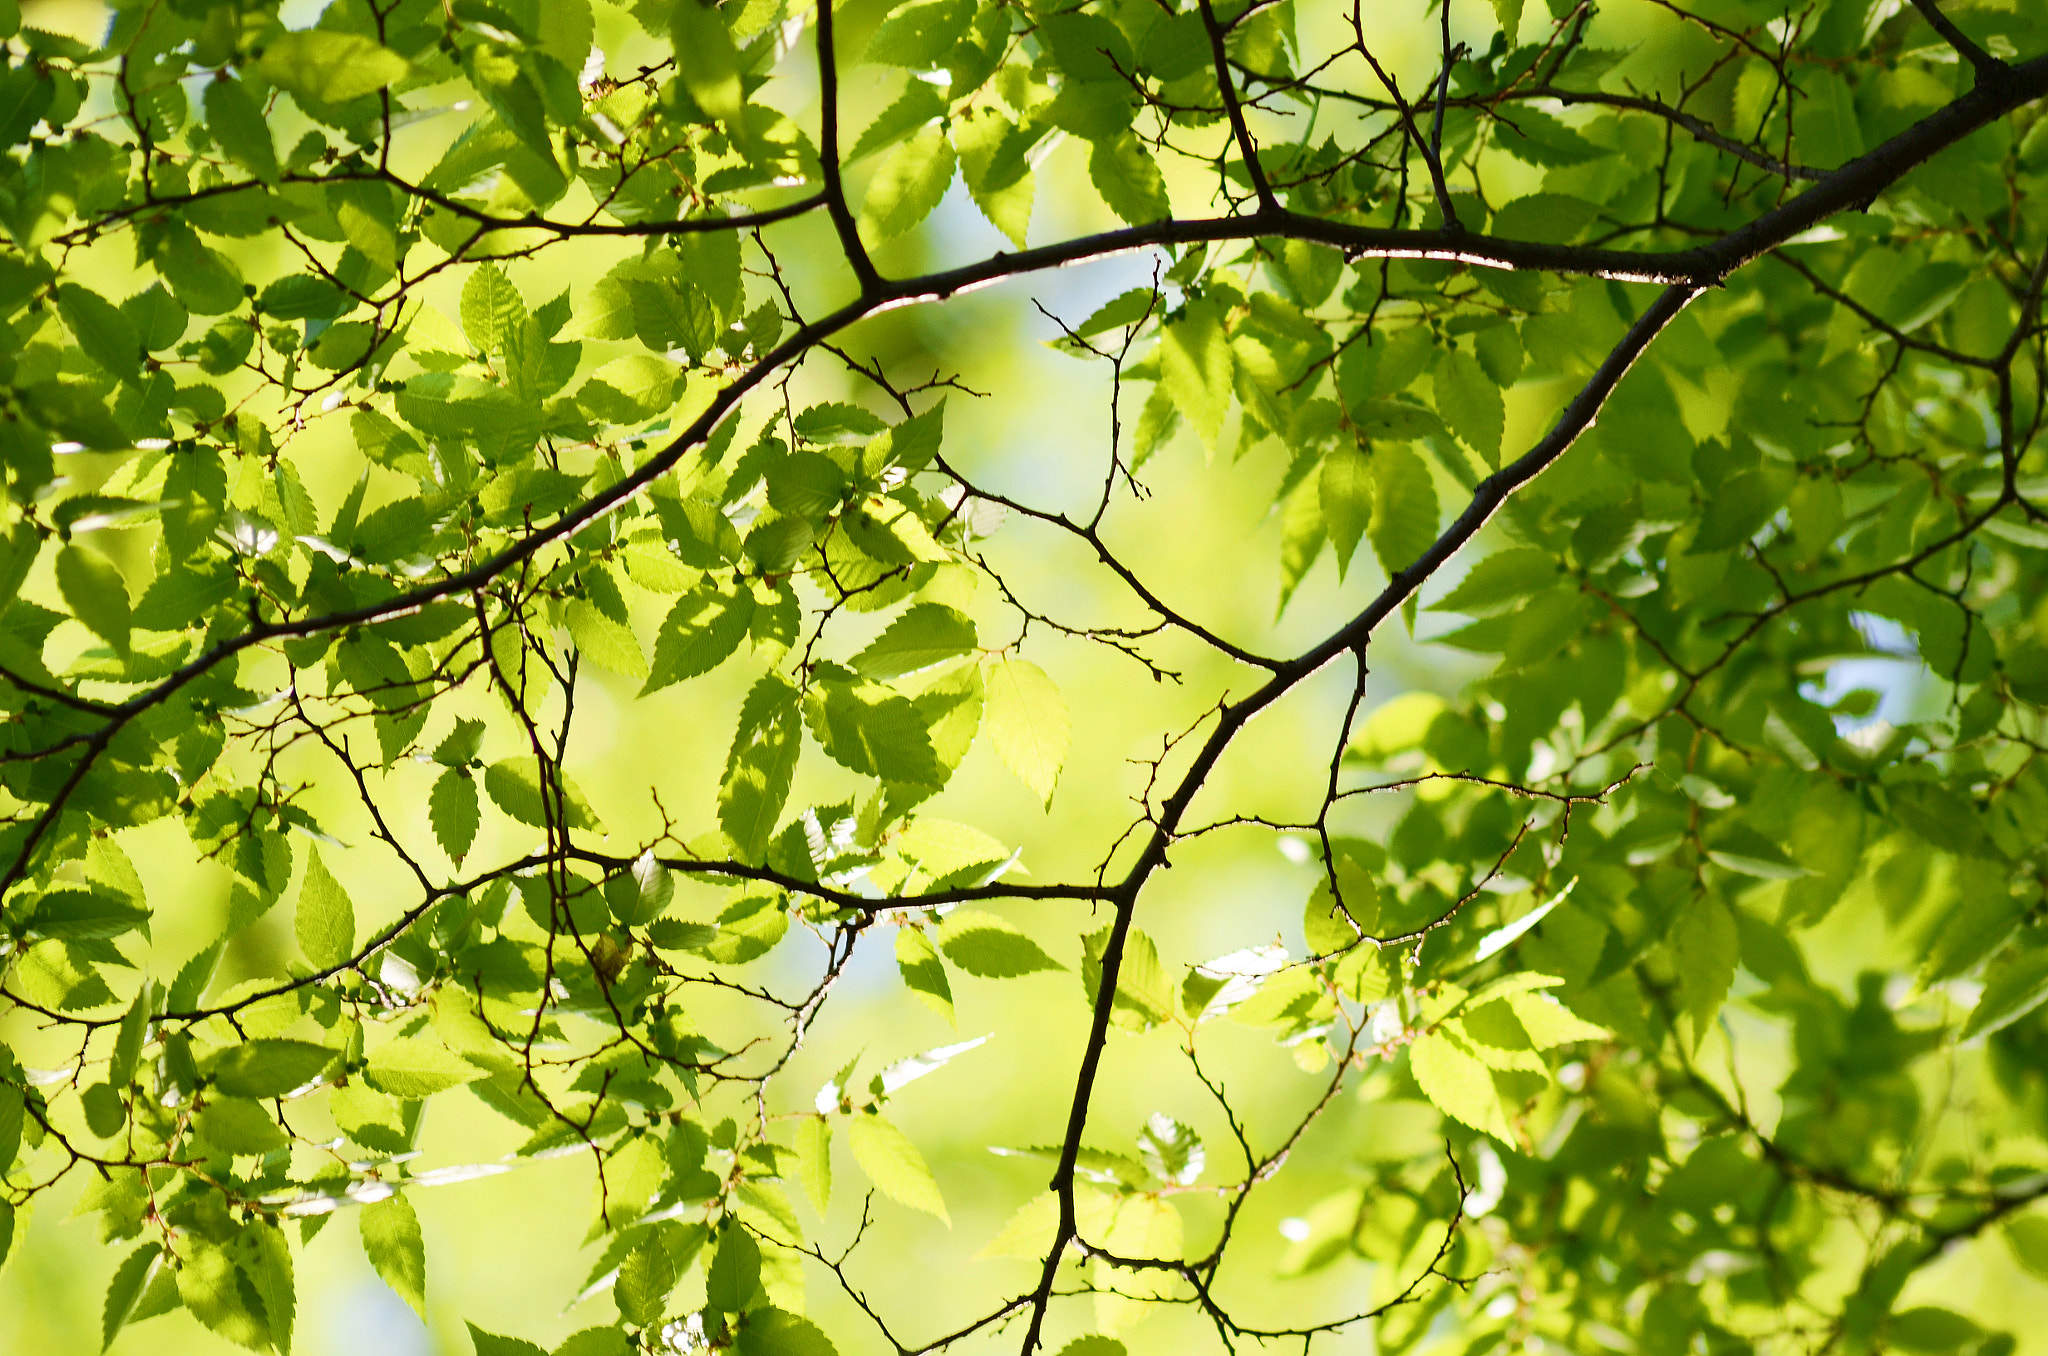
x=326, y=920
x=515, y=785
x=987, y=945
x=2027, y=1236
x=392, y=1242
x=455, y=811
x=814, y=1160
x=240, y=1126
x=894, y=1165
x=1547, y=218
x=994, y=160
x=908, y=185
x=1452, y=1077
x=873, y=731
x=645, y=1278
x=1195, y=368
x=269, y=1068
x=920, y=34
x=78, y=915
x=776, y=1332
x=492, y=309
x=760, y=765
x=1706, y=946
x=1501, y=581
x=1471, y=404
x=135, y=1272
x=924, y=635
x=330, y=67
x=411, y=1067
x=712, y=72
x=1094, y=1345
x=240, y=128
x=1027, y=721
x=220, y=1295
x=2011, y=991
x=1128, y=178
x=703, y=629
x=101, y=329
x=924, y=974
x=1404, y=511
x=490, y=1344
x=734, y=1276
x=1509, y=12
x=1344, y=493
x=96, y=593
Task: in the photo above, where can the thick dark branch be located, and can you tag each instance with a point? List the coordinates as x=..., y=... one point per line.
x=1234, y=111
x=1990, y=70
x=828, y=157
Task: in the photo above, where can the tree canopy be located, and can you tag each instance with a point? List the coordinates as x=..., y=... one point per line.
x=577, y=709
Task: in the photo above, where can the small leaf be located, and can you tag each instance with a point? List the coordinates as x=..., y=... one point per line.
x=328, y=66
x=924, y=635
x=411, y=1067
x=894, y=1165
x=241, y=129
x=123, y=1290
x=1128, y=178
x=776, y=1332
x=515, y=785
x=1027, y=720
x=1344, y=492
x=814, y=1160
x=734, y=1276
x=326, y=920
x=392, y=1242
x=1471, y=404
x=645, y=1278
x=924, y=974
x=908, y=186
x=2010, y=993
x=991, y=947
x=1195, y=368
x=1454, y=1079
x=96, y=593
x=490, y=1344
x=760, y=765
x=712, y=73
x=1404, y=511
x=269, y=1068
x=455, y=811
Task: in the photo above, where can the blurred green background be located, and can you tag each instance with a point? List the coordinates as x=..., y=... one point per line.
x=502, y=1250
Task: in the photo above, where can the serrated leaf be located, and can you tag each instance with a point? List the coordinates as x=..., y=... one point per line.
x=124, y=1289
x=492, y=309
x=396, y=1249
x=989, y=946
x=777, y=1332
x=760, y=766
x=238, y=125
x=894, y=1165
x=734, y=1276
x=269, y=1068
x=1027, y=721
x=490, y=1344
x=2010, y=992
x=326, y=919
x=645, y=1278
x=515, y=785
x=455, y=810
x=701, y=631
x=1471, y=404
x=1404, y=511
x=96, y=594
x=814, y=1160
x=924, y=635
x=1195, y=368
x=106, y=335
x=1500, y=581
x=712, y=74
x=1452, y=1077
x=873, y=731
x=411, y=1067
x=924, y=974
x=329, y=67
x=1344, y=493
x=908, y=185
x=995, y=162
x=1128, y=178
